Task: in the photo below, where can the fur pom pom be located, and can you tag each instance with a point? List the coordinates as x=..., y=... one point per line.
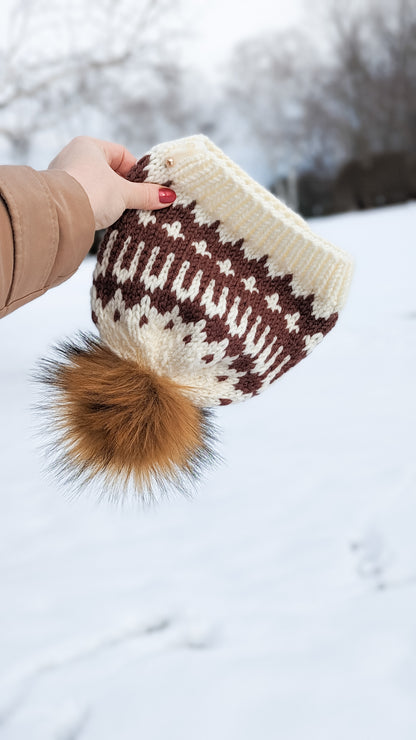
x=122, y=423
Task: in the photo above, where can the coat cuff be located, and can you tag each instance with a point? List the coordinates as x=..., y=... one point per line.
x=53, y=228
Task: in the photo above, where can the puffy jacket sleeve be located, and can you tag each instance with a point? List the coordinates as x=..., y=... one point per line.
x=46, y=229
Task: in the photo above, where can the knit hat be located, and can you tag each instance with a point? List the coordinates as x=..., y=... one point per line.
x=198, y=305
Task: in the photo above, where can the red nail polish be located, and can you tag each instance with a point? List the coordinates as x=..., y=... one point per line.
x=166, y=195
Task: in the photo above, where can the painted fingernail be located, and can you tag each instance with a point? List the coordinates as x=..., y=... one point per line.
x=166, y=195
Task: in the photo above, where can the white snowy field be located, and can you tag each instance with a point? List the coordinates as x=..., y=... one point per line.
x=278, y=603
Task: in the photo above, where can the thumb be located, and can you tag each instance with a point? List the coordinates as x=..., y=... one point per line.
x=146, y=195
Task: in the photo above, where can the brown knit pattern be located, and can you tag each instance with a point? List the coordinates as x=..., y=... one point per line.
x=246, y=326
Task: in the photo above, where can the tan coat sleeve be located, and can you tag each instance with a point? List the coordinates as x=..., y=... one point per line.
x=46, y=229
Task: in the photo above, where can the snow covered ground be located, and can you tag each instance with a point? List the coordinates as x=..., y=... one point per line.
x=278, y=603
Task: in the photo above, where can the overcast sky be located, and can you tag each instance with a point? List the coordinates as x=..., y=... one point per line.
x=215, y=26
x=222, y=22
x=219, y=24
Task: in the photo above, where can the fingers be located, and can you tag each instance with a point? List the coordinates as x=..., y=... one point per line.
x=146, y=195
x=100, y=167
x=118, y=157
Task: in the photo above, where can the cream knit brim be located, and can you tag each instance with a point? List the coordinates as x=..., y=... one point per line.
x=200, y=171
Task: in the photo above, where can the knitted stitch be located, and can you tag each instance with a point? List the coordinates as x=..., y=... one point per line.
x=224, y=291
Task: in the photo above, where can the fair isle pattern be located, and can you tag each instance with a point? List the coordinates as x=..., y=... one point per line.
x=179, y=291
x=223, y=192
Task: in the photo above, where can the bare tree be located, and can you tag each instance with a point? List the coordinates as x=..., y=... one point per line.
x=267, y=79
x=397, y=80
x=313, y=109
x=101, y=67
x=366, y=100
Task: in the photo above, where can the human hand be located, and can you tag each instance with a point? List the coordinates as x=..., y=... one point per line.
x=100, y=167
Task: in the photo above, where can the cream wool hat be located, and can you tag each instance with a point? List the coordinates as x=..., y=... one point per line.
x=198, y=305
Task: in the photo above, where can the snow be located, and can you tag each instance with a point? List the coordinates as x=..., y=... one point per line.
x=278, y=602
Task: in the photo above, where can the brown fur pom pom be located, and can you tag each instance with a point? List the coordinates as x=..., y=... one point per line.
x=122, y=423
